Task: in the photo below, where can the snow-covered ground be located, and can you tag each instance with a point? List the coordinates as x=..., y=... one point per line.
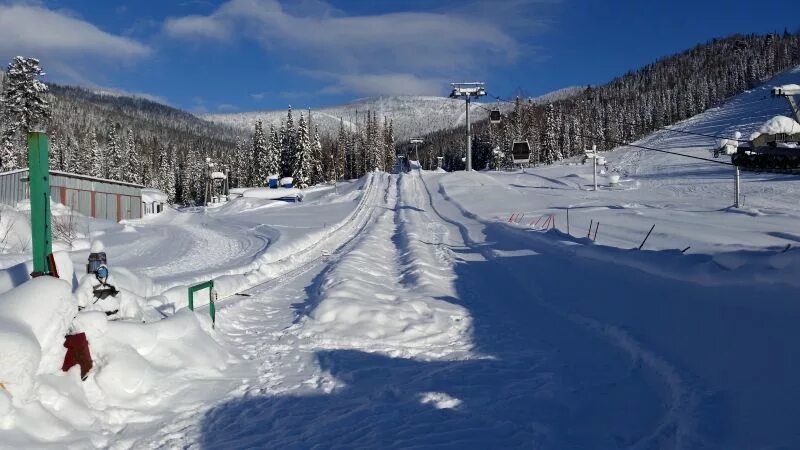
x=406, y=311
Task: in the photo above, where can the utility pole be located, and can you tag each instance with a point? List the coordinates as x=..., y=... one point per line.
x=468, y=90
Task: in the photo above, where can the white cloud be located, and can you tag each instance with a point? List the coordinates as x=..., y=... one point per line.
x=420, y=48
x=59, y=39
x=385, y=84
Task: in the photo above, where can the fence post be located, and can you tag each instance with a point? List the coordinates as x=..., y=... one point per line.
x=648, y=235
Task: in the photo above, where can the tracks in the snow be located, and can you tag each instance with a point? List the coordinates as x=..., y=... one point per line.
x=676, y=425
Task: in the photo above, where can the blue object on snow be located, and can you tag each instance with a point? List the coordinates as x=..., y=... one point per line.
x=273, y=183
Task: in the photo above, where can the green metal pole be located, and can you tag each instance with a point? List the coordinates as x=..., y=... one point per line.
x=39, y=174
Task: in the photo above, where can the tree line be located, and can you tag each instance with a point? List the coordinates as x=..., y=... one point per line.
x=139, y=141
x=625, y=109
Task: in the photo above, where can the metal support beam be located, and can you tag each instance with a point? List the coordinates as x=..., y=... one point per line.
x=468, y=90
x=737, y=187
x=41, y=231
x=469, y=141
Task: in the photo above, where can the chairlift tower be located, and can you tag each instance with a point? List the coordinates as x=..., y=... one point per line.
x=468, y=91
x=788, y=92
x=416, y=141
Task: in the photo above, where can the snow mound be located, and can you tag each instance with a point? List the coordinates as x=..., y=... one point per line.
x=361, y=310
x=788, y=87
x=34, y=318
x=272, y=194
x=778, y=124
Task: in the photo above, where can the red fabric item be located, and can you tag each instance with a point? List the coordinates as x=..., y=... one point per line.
x=77, y=353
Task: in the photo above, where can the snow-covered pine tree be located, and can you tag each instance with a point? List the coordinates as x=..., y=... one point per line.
x=237, y=164
x=114, y=157
x=23, y=106
x=302, y=158
x=549, y=139
x=274, y=152
x=260, y=156
x=97, y=157
x=166, y=173
x=132, y=165
x=288, y=150
x=388, y=144
x=317, y=174
x=340, y=153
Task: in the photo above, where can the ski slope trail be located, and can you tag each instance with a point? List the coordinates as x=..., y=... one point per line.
x=428, y=325
x=422, y=332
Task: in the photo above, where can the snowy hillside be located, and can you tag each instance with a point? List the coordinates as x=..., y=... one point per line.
x=411, y=115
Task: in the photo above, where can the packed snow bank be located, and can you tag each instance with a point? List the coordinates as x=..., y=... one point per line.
x=141, y=372
x=778, y=124
x=34, y=318
x=273, y=194
x=359, y=309
x=15, y=230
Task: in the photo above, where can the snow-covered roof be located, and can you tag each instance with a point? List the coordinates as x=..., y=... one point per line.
x=150, y=195
x=218, y=176
x=272, y=194
x=778, y=124
x=789, y=87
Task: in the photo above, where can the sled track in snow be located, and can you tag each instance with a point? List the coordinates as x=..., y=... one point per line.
x=342, y=238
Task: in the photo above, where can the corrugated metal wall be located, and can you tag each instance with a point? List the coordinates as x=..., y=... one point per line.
x=12, y=189
x=103, y=199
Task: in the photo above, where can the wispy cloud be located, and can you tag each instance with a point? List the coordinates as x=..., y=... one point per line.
x=59, y=39
x=401, y=52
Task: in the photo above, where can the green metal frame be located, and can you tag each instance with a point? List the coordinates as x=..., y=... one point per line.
x=212, y=309
x=41, y=232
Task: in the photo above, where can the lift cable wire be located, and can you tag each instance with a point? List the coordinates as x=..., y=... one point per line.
x=626, y=144
x=643, y=147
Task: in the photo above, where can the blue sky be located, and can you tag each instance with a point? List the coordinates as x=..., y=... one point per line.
x=243, y=55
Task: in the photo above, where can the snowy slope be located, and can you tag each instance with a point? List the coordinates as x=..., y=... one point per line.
x=411, y=115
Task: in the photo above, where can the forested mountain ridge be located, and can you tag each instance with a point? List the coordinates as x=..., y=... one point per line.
x=626, y=108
